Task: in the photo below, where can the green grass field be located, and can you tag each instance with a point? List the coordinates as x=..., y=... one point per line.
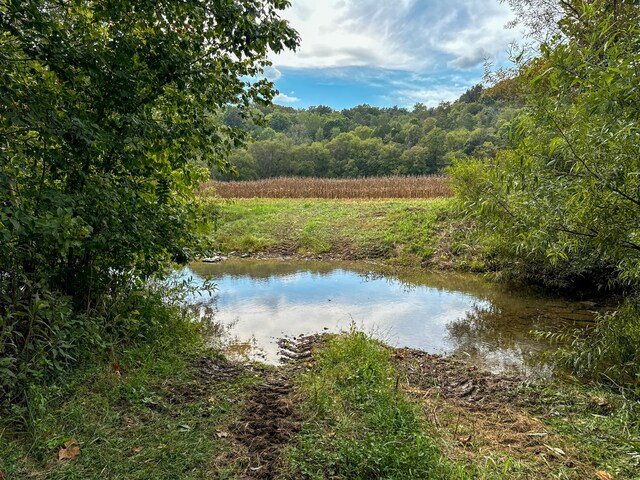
x=402, y=231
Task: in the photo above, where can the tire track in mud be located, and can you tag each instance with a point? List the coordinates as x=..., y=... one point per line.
x=269, y=422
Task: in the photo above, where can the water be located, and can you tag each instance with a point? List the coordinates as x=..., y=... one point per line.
x=460, y=315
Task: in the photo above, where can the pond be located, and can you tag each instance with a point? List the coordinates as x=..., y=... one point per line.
x=460, y=315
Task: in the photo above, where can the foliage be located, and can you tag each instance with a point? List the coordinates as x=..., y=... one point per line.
x=563, y=207
x=360, y=424
x=367, y=141
x=565, y=201
x=609, y=352
x=108, y=112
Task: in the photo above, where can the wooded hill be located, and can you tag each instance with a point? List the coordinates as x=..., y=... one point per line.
x=366, y=141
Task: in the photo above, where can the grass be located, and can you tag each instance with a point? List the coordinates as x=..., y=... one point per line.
x=150, y=415
x=157, y=411
x=420, y=187
x=401, y=230
x=606, y=425
x=359, y=425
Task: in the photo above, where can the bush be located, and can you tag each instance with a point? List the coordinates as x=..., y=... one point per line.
x=45, y=337
x=609, y=352
x=109, y=119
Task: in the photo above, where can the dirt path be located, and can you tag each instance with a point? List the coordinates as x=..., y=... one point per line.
x=477, y=415
x=268, y=421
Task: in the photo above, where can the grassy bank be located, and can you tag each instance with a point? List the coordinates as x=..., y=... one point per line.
x=359, y=424
x=157, y=411
x=353, y=409
x=405, y=232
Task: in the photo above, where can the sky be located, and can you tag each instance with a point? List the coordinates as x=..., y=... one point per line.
x=389, y=52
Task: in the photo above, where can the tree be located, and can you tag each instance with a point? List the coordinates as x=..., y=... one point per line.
x=566, y=200
x=279, y=122
x=106, y=110
x=272, y=157
x=244, y=167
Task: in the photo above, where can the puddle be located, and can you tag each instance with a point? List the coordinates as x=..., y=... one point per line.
x=460, y=315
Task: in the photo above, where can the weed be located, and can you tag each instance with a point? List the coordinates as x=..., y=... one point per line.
x=151, y=417
x=605, y=425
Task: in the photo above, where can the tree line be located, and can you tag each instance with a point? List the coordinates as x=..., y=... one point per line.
x=366, y=141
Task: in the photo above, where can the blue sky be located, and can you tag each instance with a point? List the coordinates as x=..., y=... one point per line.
x=389, y=52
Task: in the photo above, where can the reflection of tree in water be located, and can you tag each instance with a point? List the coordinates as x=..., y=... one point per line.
x=489, y=331
x=204, y=310
x=260, y=269
x=373, y=276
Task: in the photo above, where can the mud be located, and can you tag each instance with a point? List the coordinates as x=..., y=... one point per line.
x=454, y=379
x=266, y=427
x=210, y=370
x=476, y=413
x=268, y=422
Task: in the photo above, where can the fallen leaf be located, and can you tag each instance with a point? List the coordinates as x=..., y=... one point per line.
x=117, y=369
x=465, y=440
x=221, y=434
x=70, y=450
x=1, y=476
x=212, y=400
x=602, y=475
x=136, y=449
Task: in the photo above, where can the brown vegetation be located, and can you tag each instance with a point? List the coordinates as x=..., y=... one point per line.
x=292, y=187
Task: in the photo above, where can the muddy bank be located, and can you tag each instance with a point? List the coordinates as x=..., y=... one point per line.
x=473, y=413
x=476, y=413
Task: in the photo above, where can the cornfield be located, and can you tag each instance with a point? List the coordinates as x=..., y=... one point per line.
x=297, y=187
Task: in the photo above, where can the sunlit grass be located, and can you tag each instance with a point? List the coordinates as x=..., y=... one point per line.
x=359, y=425
x=402, y=230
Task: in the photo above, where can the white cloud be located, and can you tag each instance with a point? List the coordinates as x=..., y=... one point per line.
x=284, y=98
x=429, y=96
x=272, y=73
x=470, y=59
x=412, y=35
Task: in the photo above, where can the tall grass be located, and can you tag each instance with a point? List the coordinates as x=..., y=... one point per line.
x=359, y=424
x=297, y=187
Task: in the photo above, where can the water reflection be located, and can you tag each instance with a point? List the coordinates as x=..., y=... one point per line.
x=448, y=314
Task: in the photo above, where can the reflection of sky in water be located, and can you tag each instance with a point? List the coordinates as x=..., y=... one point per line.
x=305, y=303
x=263, y=301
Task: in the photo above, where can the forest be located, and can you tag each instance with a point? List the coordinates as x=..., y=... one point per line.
x=366, y=141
